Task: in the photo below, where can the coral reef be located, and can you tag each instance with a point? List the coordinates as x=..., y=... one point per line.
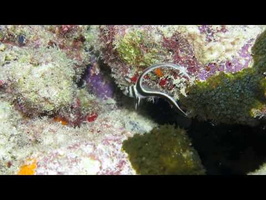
x=41, y=67
x=85, y=107
x=62, y=109
x=82, y=106
x=74, y=40
x=40, y=80
x=232, y=98
x=54, y=148
x=227, y=98
x=165, y=150
x=12, y=142
x=128, y=50
x=202, y=50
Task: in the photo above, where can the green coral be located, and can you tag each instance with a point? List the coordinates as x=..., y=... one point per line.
x=227, y=98
x=137, y=49
x=165, y=150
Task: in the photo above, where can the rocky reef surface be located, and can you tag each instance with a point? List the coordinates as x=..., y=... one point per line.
x=63, y=109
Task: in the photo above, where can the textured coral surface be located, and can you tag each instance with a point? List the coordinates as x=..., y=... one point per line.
x=165, y=150
x=45, y=146
x=228, y=98
x=63, y=110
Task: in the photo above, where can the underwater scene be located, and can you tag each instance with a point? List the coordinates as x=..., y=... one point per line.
x=132, y=99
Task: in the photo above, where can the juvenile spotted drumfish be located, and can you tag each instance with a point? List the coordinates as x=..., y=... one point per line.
x=138, y=92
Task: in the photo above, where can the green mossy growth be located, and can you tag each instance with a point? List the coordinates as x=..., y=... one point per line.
x=165, y=150
x=227, y=98
x=259, y=53
x=136, y=49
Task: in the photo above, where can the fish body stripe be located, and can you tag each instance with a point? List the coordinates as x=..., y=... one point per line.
x=132, y=91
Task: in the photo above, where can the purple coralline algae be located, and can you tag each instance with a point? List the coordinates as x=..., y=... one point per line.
x=241, y=61
x=98, y=83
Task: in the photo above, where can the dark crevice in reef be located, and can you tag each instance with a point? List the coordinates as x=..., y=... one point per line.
x=223, y=149
x=81, y=82
x=161, y=112
x=229, y=149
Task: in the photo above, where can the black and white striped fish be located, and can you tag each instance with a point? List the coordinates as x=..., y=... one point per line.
x=138, y=92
